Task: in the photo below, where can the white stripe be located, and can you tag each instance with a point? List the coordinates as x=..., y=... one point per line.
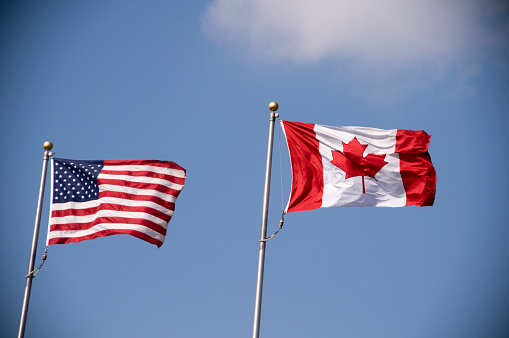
x=108, y=213
x=134, y=191
x=159, y=170
x=141, y=179
x=106, y=226
x=112, y=200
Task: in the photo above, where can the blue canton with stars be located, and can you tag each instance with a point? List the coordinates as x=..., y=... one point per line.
x=75, y=180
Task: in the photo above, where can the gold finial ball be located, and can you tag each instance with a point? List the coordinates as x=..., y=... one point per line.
x=273, y=106
x=48, y=145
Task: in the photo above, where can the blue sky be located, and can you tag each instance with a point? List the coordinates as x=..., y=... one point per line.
x=190, y=82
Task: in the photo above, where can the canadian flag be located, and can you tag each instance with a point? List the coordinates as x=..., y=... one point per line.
x=358, y=166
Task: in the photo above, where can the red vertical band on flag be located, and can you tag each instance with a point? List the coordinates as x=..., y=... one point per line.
x=417, y=172
x=307, y=167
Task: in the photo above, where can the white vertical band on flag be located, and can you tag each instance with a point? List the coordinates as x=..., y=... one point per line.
x=386, y=190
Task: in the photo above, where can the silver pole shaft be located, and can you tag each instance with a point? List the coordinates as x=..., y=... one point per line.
x=31, y=263
x=263, y=235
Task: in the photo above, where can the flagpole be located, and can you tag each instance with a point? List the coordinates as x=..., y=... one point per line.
x=273, y=106
x=47, y=146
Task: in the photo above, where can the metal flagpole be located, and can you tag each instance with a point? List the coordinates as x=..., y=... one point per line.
x=273, y=106
x=48, y=146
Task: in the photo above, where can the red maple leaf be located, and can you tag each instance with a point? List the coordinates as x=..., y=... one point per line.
x=354, y=164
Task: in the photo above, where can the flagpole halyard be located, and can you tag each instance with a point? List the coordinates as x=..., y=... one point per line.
x=28, y=286
x=273, y=106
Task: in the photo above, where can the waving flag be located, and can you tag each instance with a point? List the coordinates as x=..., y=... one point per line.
x=93, y=199
x=358, y=166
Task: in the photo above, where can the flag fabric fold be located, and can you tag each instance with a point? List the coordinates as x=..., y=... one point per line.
x=358, y=166
x=91, y=199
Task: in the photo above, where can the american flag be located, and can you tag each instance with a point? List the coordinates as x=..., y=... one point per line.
x=93, y=199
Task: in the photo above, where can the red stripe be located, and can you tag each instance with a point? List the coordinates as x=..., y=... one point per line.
x=417, y=171
x=410, y=141
x=170, y=178
x=109, y=220
x=126, y=196
x=155, y=163
x=139, y=185
x=104, y=233
x=307, y=168
x=111, y=206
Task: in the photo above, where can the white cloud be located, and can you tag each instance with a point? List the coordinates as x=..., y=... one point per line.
x=373, y=32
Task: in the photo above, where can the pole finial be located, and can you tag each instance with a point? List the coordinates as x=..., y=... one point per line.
x=48, y=145
x=273, y=106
